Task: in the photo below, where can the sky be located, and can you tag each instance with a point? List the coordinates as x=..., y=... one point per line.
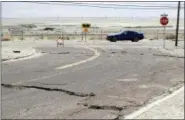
x=28, y=10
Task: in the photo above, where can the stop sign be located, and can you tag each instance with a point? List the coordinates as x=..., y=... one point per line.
x=164, y=20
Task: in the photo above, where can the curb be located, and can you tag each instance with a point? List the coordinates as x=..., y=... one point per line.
x=17, y=58
x=171, y=52
x=150, y=106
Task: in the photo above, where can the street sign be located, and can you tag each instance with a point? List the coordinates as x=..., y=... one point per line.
x=85, y=25
x=164, y=20
x=85, y=29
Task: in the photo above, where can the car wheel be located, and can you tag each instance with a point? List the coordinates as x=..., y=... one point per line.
x=136, y=39
x=114, y=39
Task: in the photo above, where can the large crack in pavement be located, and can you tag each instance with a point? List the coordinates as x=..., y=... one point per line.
x=168, y=56
x=103, y=107
x=120, y=109
x=49, y=89
x=118, y=117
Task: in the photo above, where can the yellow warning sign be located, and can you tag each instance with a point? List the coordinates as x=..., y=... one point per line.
x=86, y=25
x=85, y=29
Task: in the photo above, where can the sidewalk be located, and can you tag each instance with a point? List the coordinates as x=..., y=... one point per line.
x=9, y=54
x=169, y=107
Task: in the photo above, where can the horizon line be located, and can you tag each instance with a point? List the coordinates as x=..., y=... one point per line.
x=83, y=17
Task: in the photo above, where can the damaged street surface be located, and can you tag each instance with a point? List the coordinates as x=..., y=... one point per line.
x=106, y=81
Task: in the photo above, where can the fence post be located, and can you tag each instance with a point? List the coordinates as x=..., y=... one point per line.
x=101, y=35
x=62, y=33
x=42, y=36
x=140, y=29
x=157, y=34
x=22, y=38
x=85, y=36
x=10, y=34
x=82, y=36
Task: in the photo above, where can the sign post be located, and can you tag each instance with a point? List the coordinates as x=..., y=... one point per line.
x=164, y=36
x=164, y=21
x=85, y=29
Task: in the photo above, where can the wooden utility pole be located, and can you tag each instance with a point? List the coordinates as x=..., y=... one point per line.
x=177, y=27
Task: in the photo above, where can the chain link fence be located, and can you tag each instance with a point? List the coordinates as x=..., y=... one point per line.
x=71, y=32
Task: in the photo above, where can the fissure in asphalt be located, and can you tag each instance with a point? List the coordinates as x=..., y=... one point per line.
x=168, y=56
x=107, y=107
x=120, y=115
x=49, y=89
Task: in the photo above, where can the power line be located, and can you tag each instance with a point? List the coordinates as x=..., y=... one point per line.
x=117, y=6
x=97, y=6
x=121, y=5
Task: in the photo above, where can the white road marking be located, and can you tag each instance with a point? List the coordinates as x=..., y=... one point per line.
x=112, y=96
x=127, y=80
x=48, y=76
x=144, y=86
x=36, y=79
x=148, y=107
x=102, y=48
x=152, y=86
x=96, y=54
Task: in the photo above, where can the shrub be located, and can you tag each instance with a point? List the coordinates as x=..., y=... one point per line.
x=49, y=28
x=91, y=38
x=171, y=36
x=28, y=25
x=6, y=39
x=66, y=38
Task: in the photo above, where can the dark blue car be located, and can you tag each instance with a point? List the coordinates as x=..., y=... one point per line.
x=126, y=35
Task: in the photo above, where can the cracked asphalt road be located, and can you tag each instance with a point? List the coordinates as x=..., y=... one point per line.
x=115, y=84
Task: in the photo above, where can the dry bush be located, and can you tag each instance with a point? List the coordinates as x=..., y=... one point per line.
x=152, y=38
x=28, y=25
x=48, y=28
x=92, y=38
x=170, y=36
x=48, y=37
x=6, y=39
x=72, y=38
x=66, y=38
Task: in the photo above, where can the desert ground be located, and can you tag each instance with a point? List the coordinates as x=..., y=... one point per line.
x=71, y=28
